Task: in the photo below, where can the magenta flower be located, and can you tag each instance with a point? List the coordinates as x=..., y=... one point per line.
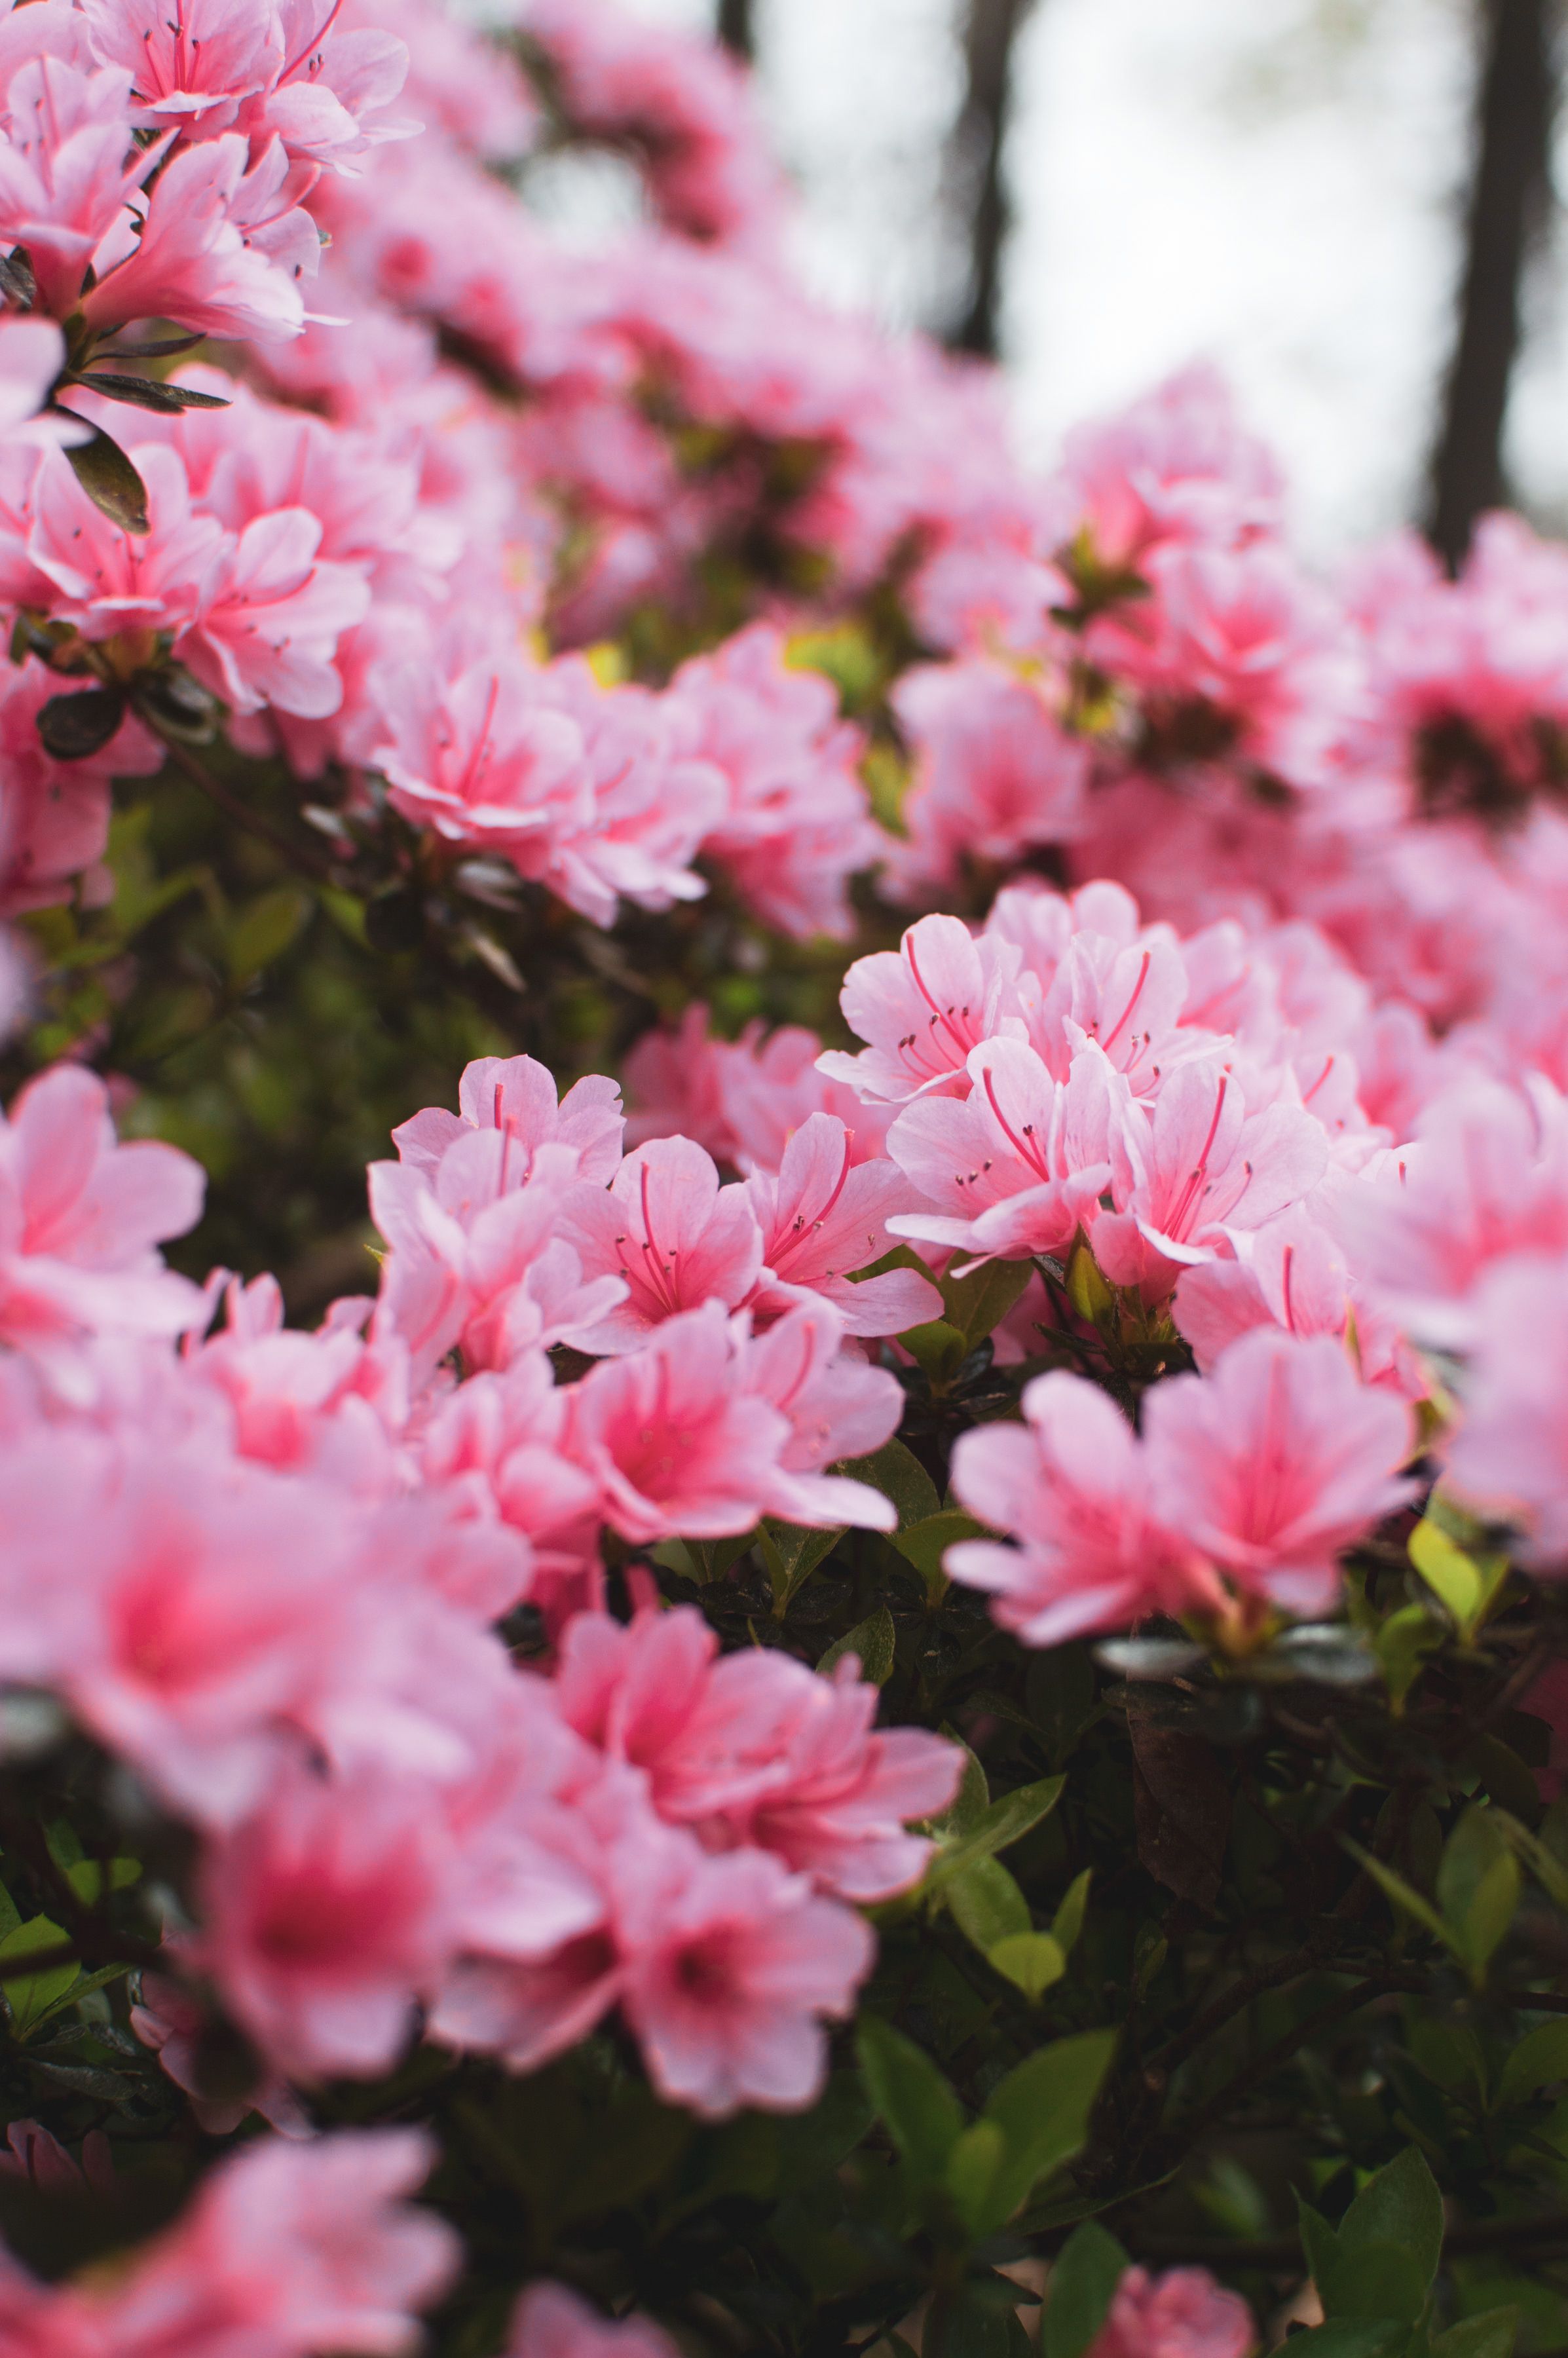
x=1183, y=2314
x=551, y=2322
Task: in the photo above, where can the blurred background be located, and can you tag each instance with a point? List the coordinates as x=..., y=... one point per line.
x=1349, y=204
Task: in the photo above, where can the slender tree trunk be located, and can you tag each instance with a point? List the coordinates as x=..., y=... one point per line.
x=737, y=27
x=978, y=139
x=1507, y=206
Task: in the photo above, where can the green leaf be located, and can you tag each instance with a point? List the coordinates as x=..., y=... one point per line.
x=1467, y=1585
x=973, y=2166
x=1033, y=1962
x=923, y=2114
x=1042, y=2109
x=1403, y=1895
x=1005, y=1821
x=1089, y=2267
x=1383, y=2261
x=85, y=1877
x=873, y=1640
x=110, y=480
x=1490, y=2335
x=1068, y=1920
x=792, y=1555
x=265, y=929
x=899, y=1474
x=1351, y=2337
x=977, y=1304
x=937, y=1349
x=925, y=1544
x=1404, y=1641
x=81, y=723
x=987, y=1904
x=10, y=1914
x=80, y=1989
x=148, y=392
x=1446, y=1570
x=1539, y=2059
x=1478, y=1886
x=29, y=1996
x=1087, y=1291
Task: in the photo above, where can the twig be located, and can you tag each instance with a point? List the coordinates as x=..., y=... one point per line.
x=307, y=862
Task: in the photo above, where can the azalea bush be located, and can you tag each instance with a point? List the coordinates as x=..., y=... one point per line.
x=783, y=1280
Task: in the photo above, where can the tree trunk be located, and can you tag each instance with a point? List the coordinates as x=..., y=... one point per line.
x=1508, y=205
x=979, y=138
x=737, y=27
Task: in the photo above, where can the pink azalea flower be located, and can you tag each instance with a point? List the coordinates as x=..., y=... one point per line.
x=323, y=1920
x=669, y=1233
x=1183, y=2314
x=213, y=1594
x=755, y=1748
x=32, y=354
x=995, y=772
x=54, y=815
x=650, y=808
x=327, y=1402
x=1277, y=1462
x=110, y=582
x=1486, y=1177
x=798, y=823
x=1174, y=466
x=732, y=1964
x=189, y=67
x=1291, y=1274
x=191, y=264
x=1020, y=1163
x=517, y=1096
x=551, y=2322
x=1073, y=1486
x=478, y=1257
x=742, y=1099
x=923, y=1008
x=481, y=757
x=80, y=1220
x=64, y=180
x=1509, y=1456
x=835, y=1406
x=270, y=615
x=824, y=1217
x=676, y=1446
x=290, y=2247
x=1195, y=1167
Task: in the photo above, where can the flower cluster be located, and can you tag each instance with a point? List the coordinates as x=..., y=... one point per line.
x=592, y=641
x=288, y=1548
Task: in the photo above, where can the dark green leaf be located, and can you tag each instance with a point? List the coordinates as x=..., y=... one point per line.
x=265, y=929
x=149, y=392
x=924, y=1544
x=872, y=1641
x=987, y=1904
x=1088, y=2269
x=978, y=1304
x=81, y=723
x=110, y=480
x=937, y=1349
x=1003, y=1821
x=899, y=1474
x=1539, y=2059
x=792, y=1555
x=1490, y=2335
x=1351, y=2337
x=923, y=2114
x=1042, y=2109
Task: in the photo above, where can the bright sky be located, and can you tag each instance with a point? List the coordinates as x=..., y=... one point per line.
x=1272, y=183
